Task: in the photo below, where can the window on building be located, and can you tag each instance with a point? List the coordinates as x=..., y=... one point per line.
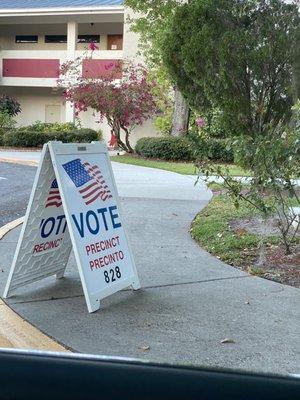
x=55, y=38
x=27, y=38
x=114, y=42
x=88, y=39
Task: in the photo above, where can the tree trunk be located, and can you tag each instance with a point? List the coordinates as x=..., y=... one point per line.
x=181, y=115
x=128, y=146
x=117, y=131
x=116, y=128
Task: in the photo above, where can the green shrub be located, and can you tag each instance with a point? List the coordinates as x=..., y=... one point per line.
x=39, y=126
x=185, y=148
x=6, y=121
x=22, y=138
x=166, y=148
x=81, y=135
x=7, y=124
x=218, y=150
x=163, y=123
x=211, y=148
x=1, y=138
x=9, y=105
x=214, y=127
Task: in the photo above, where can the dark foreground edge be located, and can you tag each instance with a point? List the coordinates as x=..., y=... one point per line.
x=42, y=375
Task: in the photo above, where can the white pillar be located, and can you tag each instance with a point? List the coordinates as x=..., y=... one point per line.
x=72, y=39
x=72, y=33
x=130, y=38
x=70, y=112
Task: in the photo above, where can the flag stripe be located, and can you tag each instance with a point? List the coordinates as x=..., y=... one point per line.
x=88, y=187
x=53, y=203
x=95, y=173
x=92, y=199
x=91, y=193
x=105, y=197
x=53, y=199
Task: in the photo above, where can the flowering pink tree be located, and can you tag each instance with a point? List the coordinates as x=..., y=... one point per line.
x=123, y=94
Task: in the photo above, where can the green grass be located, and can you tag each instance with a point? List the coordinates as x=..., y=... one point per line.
x=211, y=229
x=179, y=167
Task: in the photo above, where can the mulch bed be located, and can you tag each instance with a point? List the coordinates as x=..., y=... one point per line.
x=276, y=266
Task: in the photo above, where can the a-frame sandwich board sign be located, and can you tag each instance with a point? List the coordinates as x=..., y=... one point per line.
x=74, y=204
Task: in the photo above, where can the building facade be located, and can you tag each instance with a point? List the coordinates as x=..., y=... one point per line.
x=37, y=36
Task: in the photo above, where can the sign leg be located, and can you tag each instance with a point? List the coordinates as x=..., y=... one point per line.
x=6, y=294
x=93, y=305
x=136, y=284
x=60, y=274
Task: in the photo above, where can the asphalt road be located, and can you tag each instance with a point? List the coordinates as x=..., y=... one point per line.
x=15, y=186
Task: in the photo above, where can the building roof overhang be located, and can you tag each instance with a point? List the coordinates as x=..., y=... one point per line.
x=64, y=11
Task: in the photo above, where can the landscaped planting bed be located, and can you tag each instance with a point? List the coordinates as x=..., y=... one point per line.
x=235, y=236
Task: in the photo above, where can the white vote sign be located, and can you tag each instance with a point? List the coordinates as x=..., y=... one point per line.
x=74, y=204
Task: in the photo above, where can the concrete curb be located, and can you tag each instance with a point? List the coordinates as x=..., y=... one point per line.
x=11, y=225
x=16, y=332
x=19, y=161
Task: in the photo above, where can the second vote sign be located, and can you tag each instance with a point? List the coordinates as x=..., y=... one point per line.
x=80, y=210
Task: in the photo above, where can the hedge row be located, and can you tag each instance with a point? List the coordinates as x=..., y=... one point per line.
x=24, y=138
x=215, y=149
x=39, y=126
x=166, y=148
x=184, y=149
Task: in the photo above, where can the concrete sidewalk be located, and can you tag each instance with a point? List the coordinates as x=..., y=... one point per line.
x=20, y=155
x=190, y=301
x=35, y=156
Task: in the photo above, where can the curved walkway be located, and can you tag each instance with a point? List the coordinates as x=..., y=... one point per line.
x=190, y=301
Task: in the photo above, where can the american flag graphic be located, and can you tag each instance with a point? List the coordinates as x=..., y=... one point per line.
x=89, y=179
x=53, y=199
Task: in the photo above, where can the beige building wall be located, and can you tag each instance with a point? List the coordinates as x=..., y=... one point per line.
x=34, y=102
